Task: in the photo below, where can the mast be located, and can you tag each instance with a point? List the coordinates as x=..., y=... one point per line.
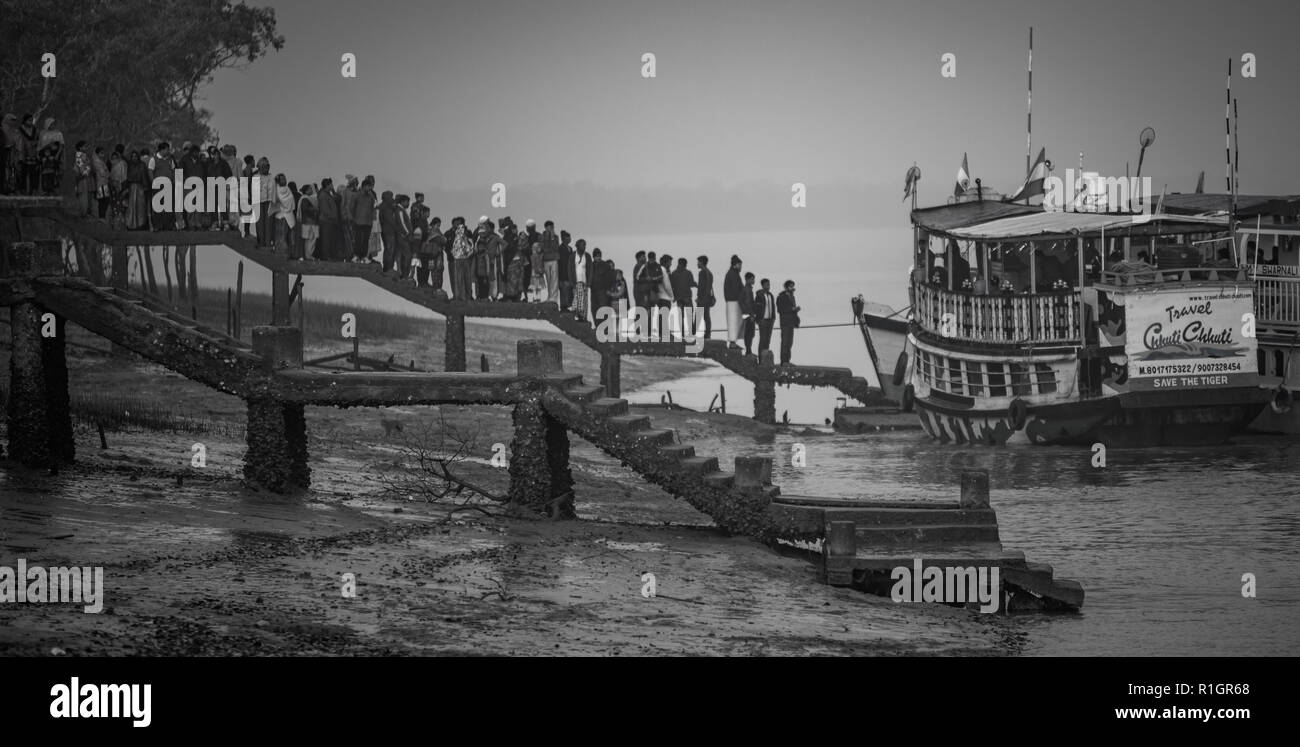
x=1029, y=108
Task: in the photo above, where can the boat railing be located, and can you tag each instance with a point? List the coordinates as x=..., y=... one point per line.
x=1149, y=275
x=1277, y=301
x=1015, y=318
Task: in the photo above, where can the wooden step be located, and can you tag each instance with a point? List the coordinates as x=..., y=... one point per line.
x=720, y=479
x=678, y=451
x=585, y=392
x=656, y=436
x=699, y=465
x=607, y=406
x=629, y=422
x=986, y=554
x=867, y=516
x=913, y=535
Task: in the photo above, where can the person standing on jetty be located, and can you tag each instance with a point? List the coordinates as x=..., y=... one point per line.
x=402, y=238
x=682, y=282
x=704, y=297
x=639, y=296
x=747, y=309
x=580, y=270
x=765, y=311
x=330, y=216
x=388, y=228
x=732, y=287
x=347, y=203
x=562, y=272
x=309, y=219
x=461, y=244
x=788, y=309
x=363, y=217
x=601, y=279
x=551, y=262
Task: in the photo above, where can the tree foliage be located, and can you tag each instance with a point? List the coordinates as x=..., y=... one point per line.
x=127, y=70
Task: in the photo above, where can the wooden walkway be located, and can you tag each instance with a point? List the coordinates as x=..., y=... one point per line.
x=765, y=376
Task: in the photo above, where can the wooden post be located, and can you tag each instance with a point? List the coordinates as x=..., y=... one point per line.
x=230, y=312
x=280, y=299
x=194, y=283
x=764, y=401
x=239, y=302
x=121, y=265
x=841, y=539
x=167, y=273
x=454, y=343
x=39, y=424
x=356, y=351
x=974, y=489
x=610, y=372
x=722, y=390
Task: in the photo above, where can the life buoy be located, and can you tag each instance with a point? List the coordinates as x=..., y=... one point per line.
x=900, y=369
x=1018, y=412
x=1282, y=401
x=909, y=398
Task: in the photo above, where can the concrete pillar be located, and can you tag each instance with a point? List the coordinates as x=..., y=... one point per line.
x=765, y=401
x=267, y=461
x=295, y=433
x=39, y=420
x=28, y=419
x=753, y=473
x=540, y=479
x=539, y=357
x=280, y=347
x=610, y=373
x=58, y=405
x=280, y=316
x=975, y=489
x=454, y=337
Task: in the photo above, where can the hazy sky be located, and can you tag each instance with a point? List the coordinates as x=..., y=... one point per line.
x=752, y=96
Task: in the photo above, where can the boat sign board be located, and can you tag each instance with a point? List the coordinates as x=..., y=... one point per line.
x=1189, y=338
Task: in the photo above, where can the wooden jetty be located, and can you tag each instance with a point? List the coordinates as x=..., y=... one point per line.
x=764, y=375
x=548, y=404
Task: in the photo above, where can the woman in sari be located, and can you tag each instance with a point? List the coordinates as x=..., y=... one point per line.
x=137, y=192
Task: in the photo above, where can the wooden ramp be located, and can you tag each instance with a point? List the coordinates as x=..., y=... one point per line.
x=863, y=541
x=749, y=367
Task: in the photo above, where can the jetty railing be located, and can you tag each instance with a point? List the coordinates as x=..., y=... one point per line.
x=998, y=318
x=1172, y=275
x=1277, y=300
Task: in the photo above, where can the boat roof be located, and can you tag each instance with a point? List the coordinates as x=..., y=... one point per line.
x=1002, y=221
x=1247, y=205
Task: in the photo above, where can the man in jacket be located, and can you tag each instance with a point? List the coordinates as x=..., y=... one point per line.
x=551, y=260
x=363, y=219
x=732, y=288
x=388, y=229
x=640, y=290
x=765, y=312
x=788, y=310
x=747, y=308
x=704, y=297
x=562, y=271
x=420, y=215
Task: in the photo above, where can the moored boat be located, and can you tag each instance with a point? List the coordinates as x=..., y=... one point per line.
x=1055, y=327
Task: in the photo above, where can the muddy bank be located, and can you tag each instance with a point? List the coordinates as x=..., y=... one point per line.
x=196, y=564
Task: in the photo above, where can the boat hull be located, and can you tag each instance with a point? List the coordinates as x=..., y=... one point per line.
x=1116, y=421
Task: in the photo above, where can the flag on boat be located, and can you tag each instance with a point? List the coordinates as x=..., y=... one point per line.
x=1034, y=182
x=909, y=187
x=1200, y=183
x=963, y=178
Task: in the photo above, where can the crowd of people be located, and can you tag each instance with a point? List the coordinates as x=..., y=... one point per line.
x=491, y=261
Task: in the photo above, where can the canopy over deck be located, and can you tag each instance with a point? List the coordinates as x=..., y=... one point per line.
x=1004, y=221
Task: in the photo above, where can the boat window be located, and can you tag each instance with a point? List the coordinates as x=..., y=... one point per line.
x=975, y=379
x=954, y=375
x=1046, y=378
x=997, y=380
x=1020, y=381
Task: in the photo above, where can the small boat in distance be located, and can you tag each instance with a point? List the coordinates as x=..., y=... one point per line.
x=1058, y=327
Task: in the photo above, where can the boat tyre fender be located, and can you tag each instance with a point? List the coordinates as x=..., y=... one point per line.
x=1282, y=401
x=909, y=397
x=1018, y=412
x=900, y=369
